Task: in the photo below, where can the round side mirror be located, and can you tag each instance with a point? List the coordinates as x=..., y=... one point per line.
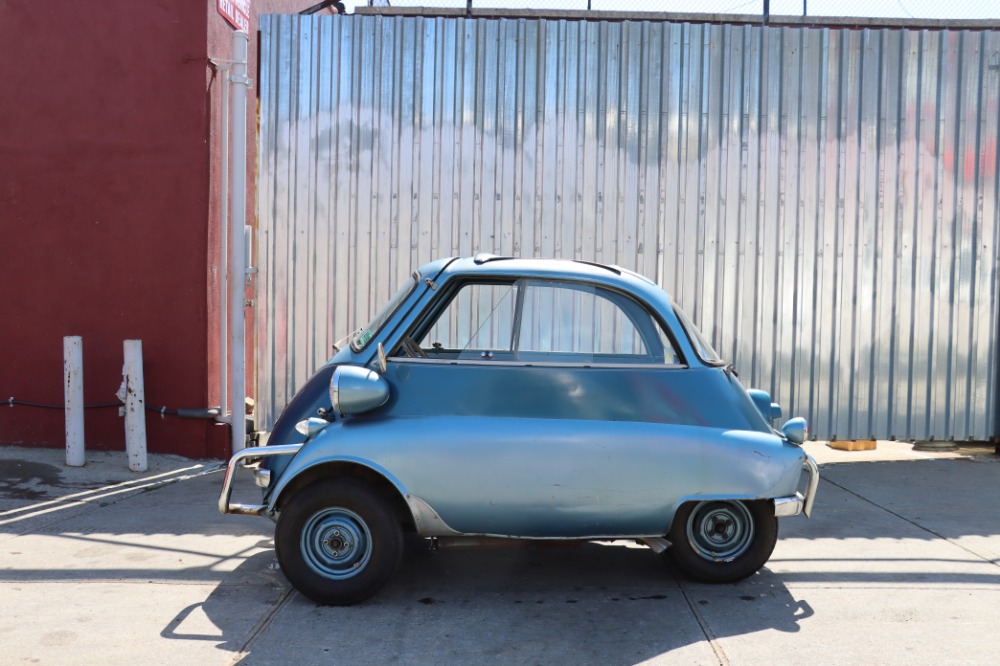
x=795, y=430
x=355, y=390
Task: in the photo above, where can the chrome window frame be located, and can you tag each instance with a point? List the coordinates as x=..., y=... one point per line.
x=521, y=282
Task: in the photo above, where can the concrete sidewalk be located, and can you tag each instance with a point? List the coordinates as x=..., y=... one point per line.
x=899, y=565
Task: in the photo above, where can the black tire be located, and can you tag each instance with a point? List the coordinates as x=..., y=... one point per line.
x=722, y=541
x=338, y=541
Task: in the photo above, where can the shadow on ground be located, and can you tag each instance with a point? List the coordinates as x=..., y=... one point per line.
x=592, y=603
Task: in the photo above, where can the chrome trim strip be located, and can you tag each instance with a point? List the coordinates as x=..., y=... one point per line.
x=246, y=454
x=539, y=364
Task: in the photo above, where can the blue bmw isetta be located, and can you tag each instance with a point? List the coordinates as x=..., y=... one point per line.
x=524, y=399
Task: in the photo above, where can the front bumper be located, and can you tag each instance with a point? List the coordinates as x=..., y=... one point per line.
x=799, y=503
x=240, y=459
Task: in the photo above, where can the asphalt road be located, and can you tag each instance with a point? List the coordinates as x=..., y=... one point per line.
x=900, y=564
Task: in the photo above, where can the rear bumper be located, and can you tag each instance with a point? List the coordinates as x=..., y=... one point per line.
x=799, y=503
x=241, y=460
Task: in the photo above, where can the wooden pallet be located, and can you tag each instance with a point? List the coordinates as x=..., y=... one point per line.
x=856, y=445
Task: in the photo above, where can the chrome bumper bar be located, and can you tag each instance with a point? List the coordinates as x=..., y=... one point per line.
x=796, y=504
x=225, y=506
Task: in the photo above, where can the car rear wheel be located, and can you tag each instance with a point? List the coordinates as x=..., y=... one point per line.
x=338, y=542
x=722, y=541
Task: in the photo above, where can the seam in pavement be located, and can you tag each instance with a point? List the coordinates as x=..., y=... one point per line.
x=261, y=627
x=710, y=636
x=995, y=563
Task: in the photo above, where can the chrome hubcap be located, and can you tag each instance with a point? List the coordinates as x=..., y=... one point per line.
x=720, y=531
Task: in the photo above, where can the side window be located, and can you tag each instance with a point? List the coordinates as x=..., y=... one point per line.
x=478, y=320
x=536, y=321
x=566, y=322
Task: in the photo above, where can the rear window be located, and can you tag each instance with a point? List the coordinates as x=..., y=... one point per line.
x=701, y=345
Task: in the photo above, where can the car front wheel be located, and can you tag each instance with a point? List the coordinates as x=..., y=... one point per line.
x=338, y=542
x=722, y=541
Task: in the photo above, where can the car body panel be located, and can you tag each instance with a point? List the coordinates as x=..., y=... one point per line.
x=541, y=446
x=536, y=477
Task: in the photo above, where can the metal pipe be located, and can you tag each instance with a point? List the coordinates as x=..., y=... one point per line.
x=73, y=395
x=135, y=407
x=224, y=254
x=238, y=265
x=248, y=250
x=225, y=506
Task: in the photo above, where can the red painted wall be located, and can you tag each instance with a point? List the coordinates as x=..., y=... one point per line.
x=109, y=211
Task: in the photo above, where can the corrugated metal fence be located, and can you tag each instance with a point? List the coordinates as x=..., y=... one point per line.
x=823, y=202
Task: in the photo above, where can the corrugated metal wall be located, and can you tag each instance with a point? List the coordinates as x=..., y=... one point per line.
x=823, y=202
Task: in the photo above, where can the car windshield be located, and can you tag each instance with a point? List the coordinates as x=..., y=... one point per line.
x=701, y=344
x=366, y=333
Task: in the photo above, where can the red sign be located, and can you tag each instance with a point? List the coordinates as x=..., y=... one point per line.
x=237, y=12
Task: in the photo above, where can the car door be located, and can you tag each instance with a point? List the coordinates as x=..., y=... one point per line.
x=547, y=408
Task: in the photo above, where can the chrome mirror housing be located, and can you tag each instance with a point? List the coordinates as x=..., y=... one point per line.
x=795, y=430
x=311, y=427
x=355, y=390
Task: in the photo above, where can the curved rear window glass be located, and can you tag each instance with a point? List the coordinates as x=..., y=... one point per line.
x=701, y=345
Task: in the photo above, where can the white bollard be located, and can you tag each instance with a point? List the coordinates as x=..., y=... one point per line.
x=73, y=397
x=135, y=406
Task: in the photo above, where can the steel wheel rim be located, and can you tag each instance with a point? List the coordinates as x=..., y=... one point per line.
x=720, y=531
x=336, y=543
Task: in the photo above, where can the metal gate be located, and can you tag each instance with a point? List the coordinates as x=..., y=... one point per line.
x=823, y=202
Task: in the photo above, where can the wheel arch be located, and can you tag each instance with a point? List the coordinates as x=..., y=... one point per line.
x=378, y=480
x=694, y=499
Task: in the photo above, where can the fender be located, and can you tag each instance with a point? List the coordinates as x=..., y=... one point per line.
x=321, y=451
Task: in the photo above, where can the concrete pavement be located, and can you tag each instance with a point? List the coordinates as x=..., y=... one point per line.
x=899, y=565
